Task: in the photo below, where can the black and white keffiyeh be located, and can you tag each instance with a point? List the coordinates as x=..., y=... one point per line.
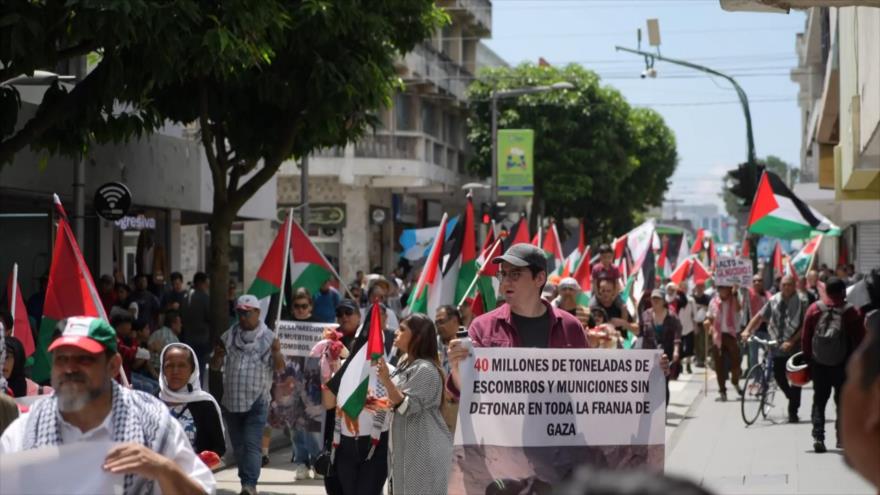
x=136, y=418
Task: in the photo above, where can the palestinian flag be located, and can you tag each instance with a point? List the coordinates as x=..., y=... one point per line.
x=632, y=292
x=746, y=250
x=682, y=272
x=486, y=297
x=552, y=247
x=309, y=268
x=537, y=240
x=683, y=250
x=777, y=212
x=460, y=258
x=357, y=373
x=699, y=272
x=619, y=246
x=663, y=262
x=804, y=258
x=789, y=269
x=571, y=262
x=21, y=326
x=425, y=298
x=698, y=242
x=518, y=234
x=270, y=277
x=71, y=292
x=583, y=275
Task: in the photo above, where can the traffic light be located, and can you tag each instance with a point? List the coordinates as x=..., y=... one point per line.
x=743, y=182
x=484, y=214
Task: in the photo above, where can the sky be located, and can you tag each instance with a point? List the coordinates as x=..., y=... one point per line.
x=703, y=111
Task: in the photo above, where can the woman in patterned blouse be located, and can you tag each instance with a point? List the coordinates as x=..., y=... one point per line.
x=421, y=444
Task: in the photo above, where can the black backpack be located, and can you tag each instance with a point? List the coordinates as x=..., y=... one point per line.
x=829, y=339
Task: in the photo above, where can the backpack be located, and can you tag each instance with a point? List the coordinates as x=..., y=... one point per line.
x=829, y=340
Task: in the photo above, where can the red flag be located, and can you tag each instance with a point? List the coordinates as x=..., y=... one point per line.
x=375, y=344
x=777, y=260
x=552, y=246
x=661, y=260
x=698, y=243
x=619, y=246
x=520, y=233
x=746, y=250
x=71, y=292
x=21, y=326
x=712, y=255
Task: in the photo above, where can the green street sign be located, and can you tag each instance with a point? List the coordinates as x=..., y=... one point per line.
x=516, y=162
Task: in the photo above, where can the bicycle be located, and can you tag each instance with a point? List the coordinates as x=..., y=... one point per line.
x=759, y=390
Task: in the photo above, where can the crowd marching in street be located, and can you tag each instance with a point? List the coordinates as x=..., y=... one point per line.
x=149, y=378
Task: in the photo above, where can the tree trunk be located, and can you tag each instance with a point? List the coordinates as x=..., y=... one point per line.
x=218, y=269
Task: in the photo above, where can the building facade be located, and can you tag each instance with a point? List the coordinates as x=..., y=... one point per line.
x=839, y=78
x=409, y=170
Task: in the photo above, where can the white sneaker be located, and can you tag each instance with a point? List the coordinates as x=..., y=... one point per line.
x=311, y=474
x=300, y=472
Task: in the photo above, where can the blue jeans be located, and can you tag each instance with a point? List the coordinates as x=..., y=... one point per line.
x=246, y=434
x=754, y=347
x=307, y=446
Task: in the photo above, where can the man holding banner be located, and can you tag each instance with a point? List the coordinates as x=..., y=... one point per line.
x=519, y=424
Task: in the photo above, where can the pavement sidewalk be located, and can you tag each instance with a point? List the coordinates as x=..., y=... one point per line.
x=713, y=447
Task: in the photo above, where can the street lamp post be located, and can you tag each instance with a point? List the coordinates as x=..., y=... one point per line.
x=512, y=93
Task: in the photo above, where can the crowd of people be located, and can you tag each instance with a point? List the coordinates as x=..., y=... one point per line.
x=190, y=394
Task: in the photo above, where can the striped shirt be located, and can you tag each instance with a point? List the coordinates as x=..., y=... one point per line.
x=247, y=375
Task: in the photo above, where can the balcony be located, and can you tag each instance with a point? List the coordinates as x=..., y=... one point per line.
x=478, y=13
x=424, y=65
x=387, y=146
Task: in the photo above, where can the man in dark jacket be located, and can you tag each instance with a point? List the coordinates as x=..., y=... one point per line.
x=196, y=316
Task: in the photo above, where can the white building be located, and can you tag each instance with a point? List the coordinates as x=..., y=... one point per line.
x=839, y=77
x=703, y=216
x=409, y=170
x=170, y=183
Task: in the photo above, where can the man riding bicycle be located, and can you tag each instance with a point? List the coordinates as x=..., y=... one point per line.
x=783, y=314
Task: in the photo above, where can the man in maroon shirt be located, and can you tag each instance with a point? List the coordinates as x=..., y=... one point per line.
x=827, y=367
x=604, y=269
x=525, y=320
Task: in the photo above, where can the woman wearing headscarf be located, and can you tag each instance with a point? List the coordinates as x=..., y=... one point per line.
x=13, y=371
x=195, y=409
x=661, y=329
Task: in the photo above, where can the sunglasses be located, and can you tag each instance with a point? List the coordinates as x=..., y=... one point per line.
x=344, y=312
x=243, y=313
x=302, y=306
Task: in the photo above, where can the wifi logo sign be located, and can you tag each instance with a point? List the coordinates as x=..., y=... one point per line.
x=112, y=201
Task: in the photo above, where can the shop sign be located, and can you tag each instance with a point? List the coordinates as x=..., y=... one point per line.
x=112, y=201
x=324, y=215
x=139, y=222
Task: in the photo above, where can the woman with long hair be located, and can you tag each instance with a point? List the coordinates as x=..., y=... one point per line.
x=661, y=329
x=421, y=444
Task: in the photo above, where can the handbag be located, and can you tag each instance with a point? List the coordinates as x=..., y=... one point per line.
x=323, y=463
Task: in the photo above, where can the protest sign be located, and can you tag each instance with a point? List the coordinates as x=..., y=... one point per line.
x=298, y=337
x=296, y=389
x=733, y=271
x=533, y=415
x=63, y=469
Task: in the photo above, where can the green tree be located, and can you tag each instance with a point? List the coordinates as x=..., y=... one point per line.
x=266, y=80
x=780, y=167
x=596, y=158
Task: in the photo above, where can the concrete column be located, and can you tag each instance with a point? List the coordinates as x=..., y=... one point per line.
x=354, y=252
x=258, y=236
x=106, y=231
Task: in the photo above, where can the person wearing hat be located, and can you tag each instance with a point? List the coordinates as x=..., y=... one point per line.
x=783, y=316
x=604, y=269
x=661, y=329
x=526, y=320
x=569, y=290
x=150, y=448
x=252, y=353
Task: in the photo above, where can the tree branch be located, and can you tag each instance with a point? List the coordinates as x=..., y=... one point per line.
x=271, y=164
x=49, y=114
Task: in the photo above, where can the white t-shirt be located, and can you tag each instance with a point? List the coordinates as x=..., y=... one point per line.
x=178, y=449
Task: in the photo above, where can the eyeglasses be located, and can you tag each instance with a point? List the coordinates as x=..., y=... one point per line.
x=302, y=306
x=513, y=275
x=344, y=312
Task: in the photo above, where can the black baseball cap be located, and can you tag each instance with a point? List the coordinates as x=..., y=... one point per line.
x=524, y=254
x=347, y=303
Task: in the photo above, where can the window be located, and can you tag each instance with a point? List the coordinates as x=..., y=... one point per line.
x=429, y=119
x=404, y=112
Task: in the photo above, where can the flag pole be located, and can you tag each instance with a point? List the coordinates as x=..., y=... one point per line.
x=287, y=248
x=12, y=294
x=490, y=250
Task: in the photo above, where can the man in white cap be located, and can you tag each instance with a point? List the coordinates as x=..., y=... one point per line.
x=569, y=291
x=150, y=448
x=252, y=353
